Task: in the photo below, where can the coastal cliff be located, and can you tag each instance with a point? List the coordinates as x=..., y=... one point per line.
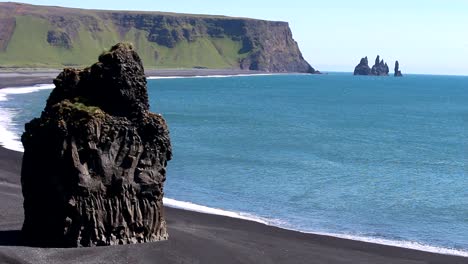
x=94, y=163
x=69, y=37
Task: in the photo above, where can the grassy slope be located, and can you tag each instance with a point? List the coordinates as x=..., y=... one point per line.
x=28, y=47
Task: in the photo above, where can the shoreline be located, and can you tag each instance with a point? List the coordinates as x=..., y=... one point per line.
x=197, y=238
x=31, y=77
x=9, y=180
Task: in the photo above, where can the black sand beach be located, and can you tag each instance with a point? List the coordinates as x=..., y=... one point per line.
x=26, y=77
x=31, y=77
x=194, y=238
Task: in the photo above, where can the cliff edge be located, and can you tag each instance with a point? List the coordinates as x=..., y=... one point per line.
x=69, y=37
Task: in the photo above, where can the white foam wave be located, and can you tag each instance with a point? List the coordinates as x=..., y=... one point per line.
x=23, y=90
x=8, y=138
x=215, y=211
x=400, y=244
x=210, y=76
x=281, y=224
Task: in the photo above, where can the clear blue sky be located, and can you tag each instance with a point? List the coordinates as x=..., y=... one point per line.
x=426, y=36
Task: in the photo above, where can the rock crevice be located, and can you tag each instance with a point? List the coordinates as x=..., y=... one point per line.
x=95, y=162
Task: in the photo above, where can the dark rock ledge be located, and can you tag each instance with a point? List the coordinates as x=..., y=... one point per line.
x=94, y=163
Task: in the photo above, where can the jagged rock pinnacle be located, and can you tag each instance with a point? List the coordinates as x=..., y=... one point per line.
x=363, y=67
x=397, y=70
x=380, y=67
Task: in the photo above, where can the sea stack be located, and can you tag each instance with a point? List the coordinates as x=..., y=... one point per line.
x=363, y=67
x=94, y=163
x=380, y=68
x=397, y=70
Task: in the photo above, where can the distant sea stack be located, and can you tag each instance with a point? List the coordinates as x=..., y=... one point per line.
x=380, y=67
x=164, y=40
x=397, y=70
x=94, y=163
x=363, y=67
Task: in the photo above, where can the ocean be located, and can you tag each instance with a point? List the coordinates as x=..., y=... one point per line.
x=378, y=159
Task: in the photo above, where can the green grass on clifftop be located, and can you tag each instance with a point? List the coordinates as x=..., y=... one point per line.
x=28, y=47
x=33, y=36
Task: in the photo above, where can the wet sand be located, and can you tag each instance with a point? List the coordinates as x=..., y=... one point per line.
x=26, y=78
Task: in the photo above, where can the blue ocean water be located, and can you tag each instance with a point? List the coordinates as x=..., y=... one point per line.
x=382, y=159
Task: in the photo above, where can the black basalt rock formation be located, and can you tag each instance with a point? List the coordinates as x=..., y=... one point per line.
x=363, y=67
x=397, y=70
x=380, y=68
x=94, y=163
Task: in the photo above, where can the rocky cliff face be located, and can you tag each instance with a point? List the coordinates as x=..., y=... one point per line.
x=272, y=48
x=94, y=163
x=165, y=40
x=59, y=39
x=266, y=45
